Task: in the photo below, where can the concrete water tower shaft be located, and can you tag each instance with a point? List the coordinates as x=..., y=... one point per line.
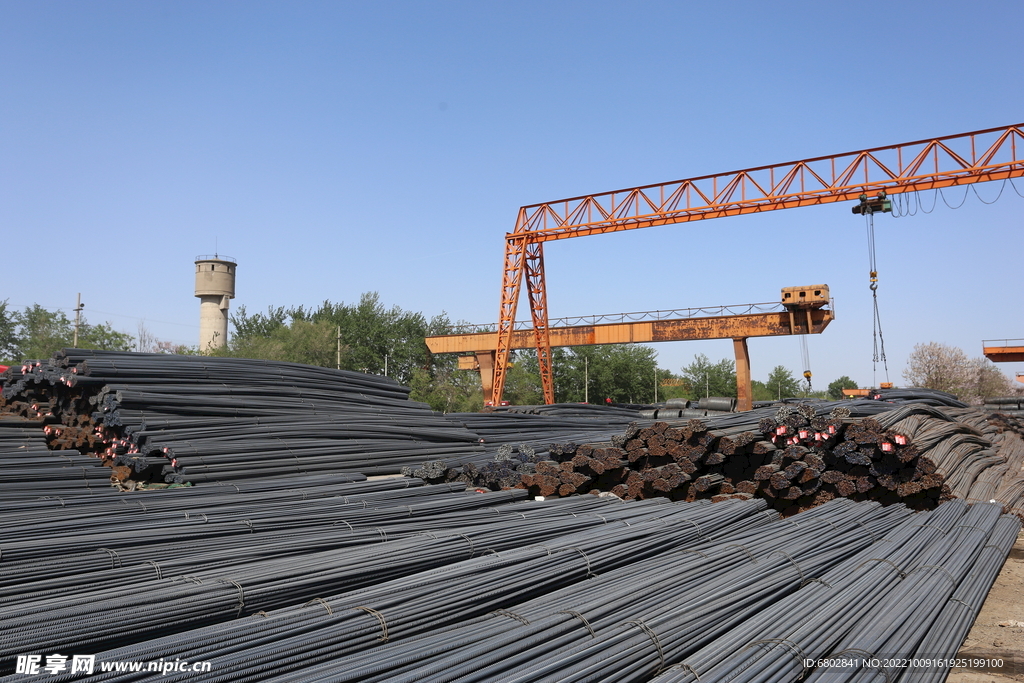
x=215, y=287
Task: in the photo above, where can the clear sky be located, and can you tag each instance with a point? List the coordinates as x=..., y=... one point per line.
x=335, y=148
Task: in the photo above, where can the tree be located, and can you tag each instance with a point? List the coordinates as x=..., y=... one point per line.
x=781, y=383
x=947, y=368
x=447, y=389
x=372, y=337
x=147, y=342
x=939, y=367
x=365, y=337
x=987, y=381
x=710, y=379
x=42, y=333
x=8, y=334
x=39, y=333
x=760, y=391
x=104, y=337
x=835, y=389
x=671, y=385
x=625, y=373
x=522, y=380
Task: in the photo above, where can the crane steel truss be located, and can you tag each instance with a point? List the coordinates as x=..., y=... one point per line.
x=979, y=156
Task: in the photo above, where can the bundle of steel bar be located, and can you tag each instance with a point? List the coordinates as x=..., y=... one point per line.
x=28, y=468
x=167, y=418
x=687, y=596
x=1007, y=405
x=233, y=578
x=513, y=443
x=796, y=456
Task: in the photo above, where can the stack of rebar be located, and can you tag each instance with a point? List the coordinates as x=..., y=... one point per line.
x=1007, y=405
x=175, y=419
x=28, y=468
x=655, y=591
x=798, y=456
x=246, y=557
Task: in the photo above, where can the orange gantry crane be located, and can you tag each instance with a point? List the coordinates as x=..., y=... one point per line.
x=979, y=156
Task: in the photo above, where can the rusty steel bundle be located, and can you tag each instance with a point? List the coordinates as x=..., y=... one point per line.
x=513, y=442
x=796, y=456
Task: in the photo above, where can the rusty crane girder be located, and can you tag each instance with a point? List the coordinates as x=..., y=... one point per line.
x=802, y=310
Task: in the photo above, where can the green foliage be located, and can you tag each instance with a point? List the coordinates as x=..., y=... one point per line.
x=625, y=373
x=37, y=333
x=522, y=380
x=835, y=388
x=761, y=392
x=447, y=390
x=8, y=334
x=42, y=333
x=710, y=379
x=104, y=337
x=671, y=385
x=365, y=337
x=782, y=384
x=370, y=336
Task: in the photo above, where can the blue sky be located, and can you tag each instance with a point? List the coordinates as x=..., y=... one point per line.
x=336, y=148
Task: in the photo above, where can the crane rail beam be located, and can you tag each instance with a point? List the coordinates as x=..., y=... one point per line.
x=680, y=329
x=1005, y=354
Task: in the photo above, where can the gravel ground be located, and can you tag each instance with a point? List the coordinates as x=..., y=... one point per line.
x=995, y=633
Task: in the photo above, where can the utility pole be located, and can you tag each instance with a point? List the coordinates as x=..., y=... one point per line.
x=655, y=383
x=339, y=347
x=78, y=318
x=385, y=365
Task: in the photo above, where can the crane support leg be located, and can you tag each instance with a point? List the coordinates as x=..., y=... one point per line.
x=537, y=292
x=485, y=360
x=515, y=264
x=744, y=390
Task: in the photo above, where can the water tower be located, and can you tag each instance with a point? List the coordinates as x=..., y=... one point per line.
x=215, y=287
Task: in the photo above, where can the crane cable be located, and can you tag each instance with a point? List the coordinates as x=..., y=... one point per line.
x=876, y=325
x=805, y=356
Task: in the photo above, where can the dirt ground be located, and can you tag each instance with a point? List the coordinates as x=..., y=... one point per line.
x=987, y=639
